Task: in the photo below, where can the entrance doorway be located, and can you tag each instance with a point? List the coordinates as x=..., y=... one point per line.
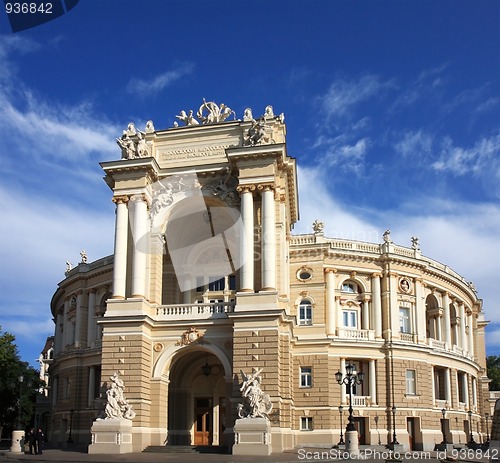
x=203, y=421
x=360, y=425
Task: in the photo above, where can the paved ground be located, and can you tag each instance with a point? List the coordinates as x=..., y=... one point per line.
x=298, y=455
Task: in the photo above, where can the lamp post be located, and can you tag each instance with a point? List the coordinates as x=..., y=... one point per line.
x=486, y=416
x=19, y=420
x=350, y=379
x=471, y=437
x=70, y=435
x=378, y=432
x=341, y=411
x=394, y=437
x=443, y=413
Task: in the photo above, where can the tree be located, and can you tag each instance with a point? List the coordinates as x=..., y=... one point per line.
x=16, y=395
x=493, y=371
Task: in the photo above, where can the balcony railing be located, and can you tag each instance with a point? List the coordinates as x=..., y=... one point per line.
x=355, y=334
x=408, y=337
x=361, y=400
x=194, y=311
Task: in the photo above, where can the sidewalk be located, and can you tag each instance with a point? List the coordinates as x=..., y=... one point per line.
x=298, y=455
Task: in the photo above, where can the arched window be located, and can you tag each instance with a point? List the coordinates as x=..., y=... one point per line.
x=349, y=287
x=305, y=312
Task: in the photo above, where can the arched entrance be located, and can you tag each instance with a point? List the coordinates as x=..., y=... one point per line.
x=196, y=399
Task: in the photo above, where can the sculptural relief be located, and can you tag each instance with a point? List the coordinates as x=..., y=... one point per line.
x=258, y=133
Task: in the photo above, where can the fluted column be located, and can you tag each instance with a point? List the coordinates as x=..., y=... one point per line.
x=79, y=318
x=268, y=239
x=377, y=305
x=140, y=257
x=446, y=319
x=439, y=332
x=91, y=322
x=247, y=241
x=330, y=302
x=120, y=255
x=372, y=382
x=343, y=395
x=463, y=322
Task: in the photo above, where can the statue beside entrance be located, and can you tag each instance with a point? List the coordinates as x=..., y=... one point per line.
x=113, y=434
x=252, y=431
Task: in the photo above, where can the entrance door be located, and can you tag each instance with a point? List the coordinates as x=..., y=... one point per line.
x=359, y=424
x=203, y=421
x=410, y=426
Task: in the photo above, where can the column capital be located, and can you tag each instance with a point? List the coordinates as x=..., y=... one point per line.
x=245, y=188
x=376, y=275
x=330, y=270
x=92, y=290
x=266, y=187
x=137, y=197
x=122, y=199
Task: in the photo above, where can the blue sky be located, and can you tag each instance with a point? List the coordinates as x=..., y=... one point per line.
x=391, y=109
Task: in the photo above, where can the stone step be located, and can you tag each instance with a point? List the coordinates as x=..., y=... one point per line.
x=218, y=449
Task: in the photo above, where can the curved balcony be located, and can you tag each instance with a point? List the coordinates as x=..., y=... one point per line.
x=218, y=309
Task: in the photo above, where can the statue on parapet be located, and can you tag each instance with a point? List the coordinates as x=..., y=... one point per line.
x=256, y=403
x=211, y=113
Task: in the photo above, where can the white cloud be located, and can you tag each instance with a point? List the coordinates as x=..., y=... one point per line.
x=343, y=95
x=415, y=144
x=158, y=83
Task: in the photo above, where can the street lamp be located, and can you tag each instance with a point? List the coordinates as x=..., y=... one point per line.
x=378, y=432
x=443, y=413
x=350, y=379
x=394, y=438
x=471, y=439
x=19, y=423
x=341, y=411
x=486, y=416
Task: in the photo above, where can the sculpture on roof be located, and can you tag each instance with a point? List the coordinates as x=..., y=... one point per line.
x=387, y=236
x=415, y=243
x=318, y=227
x=117, y=406
x=257, y=134
x=256, y=402
x=188, y=119
x=83, y=255
x=211, y=113
x=133, y=142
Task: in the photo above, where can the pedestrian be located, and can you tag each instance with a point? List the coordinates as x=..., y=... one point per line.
x=39, y=440
x=32, y=441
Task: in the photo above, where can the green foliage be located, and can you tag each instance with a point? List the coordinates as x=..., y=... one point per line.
x=493, y=371
x=12, y=391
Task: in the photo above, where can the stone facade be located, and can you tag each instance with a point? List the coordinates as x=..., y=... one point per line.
x=185, y=303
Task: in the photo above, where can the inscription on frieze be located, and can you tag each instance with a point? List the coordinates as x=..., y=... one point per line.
x=164, y=154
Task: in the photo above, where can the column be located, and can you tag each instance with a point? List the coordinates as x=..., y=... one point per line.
x=446, y=319
x=140, y=257
x=66, y=327
x=474, y=392
x=377, y=305
x=330, y=301
x=365, y=317
x=420, y=311
x=463, y=322
x=343, y=395
x=59, y=341
x=247, y=241
x=120, y=255
x=439, y=336
x=465, y=385
x=79, y=319
x=91, y=322
x=447, y=386
x=91, y=386
x=268, y=239
x=470, y=324
x=372, y=386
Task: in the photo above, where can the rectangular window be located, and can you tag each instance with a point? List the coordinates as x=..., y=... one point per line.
x=404, y=320
x=305, y=313
x=66, y=388
x=97, y=382
x=305, y=377
x=461, y=387
x=411, y=379
x=217, y=285
x=232, y=282
x=306, y=423
x=350, y=318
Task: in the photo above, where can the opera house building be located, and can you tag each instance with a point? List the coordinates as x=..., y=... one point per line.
x=207, y=283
